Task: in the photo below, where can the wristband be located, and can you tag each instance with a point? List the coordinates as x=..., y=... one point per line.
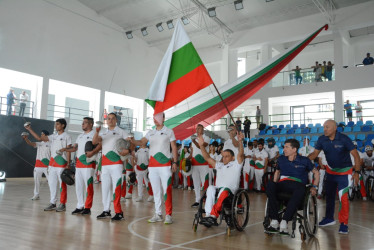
x=173, y=162
x=315, y=186
x=357, y=172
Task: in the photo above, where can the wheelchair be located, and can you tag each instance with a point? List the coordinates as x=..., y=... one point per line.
x=268, y=176
x=235, y=211
x=370, y=185
x=306, y=214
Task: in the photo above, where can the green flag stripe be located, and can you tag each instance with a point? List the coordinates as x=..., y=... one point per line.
x=183, y=61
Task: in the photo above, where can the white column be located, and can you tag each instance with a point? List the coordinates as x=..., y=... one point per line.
x=338, y=106
x=265, y=108
x=225, y=65
x=102, y=105
x=44, y=99
x=338, y=51
x=144, y=122
x=233, y=65
x=266, y=55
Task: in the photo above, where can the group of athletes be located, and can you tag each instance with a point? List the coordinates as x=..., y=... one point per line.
x=157, y=161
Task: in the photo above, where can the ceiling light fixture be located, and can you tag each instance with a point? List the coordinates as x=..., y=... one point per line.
x=129, y=34
x=185, y=20
x=238, y=4
x=144, y=31
x=159, y=27
x=212, y=12
x=170, y=24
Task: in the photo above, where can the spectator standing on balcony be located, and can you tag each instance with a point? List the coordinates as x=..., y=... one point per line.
x=315, y=67
x=297, y=75
x=247, y=127
x=358, y=111
x=24, y=97
x=323, y=69
x=368, y=60
x=348, y=110
x=329, y=70
x=258, y=116
x=10, y=101
x=105, y=116
x=239, y=124
x=319, y=73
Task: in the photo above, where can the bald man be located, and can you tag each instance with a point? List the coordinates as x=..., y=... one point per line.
x=337, y=148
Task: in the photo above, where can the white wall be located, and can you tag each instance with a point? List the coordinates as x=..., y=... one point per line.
x=41, y=38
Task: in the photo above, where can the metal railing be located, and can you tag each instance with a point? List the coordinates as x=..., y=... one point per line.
x=303, y=118
x=28, y=111
x=75, y=115
x=128, y=123
x=366, y=115
x=287, y=78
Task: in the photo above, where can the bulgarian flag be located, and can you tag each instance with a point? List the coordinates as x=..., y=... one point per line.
x=205, y=109
x=180, y=75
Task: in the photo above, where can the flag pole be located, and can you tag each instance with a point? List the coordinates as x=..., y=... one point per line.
x=224, y=104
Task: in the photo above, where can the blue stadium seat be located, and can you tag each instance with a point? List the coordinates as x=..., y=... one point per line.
x=350, y=124
x=318, y=125
x=370, y=137
x=339, y=129
x=305, y=131
x=262, y=132
x=279, y=144
x=274, y=126
x=299, y=138
x=283, y=131
x=298, y=131
x=360, y=137
x=352, y=137
x=281, y=127
x=320, y=130
x=291, y=131
x=365, y=128
x=288, y=126
x=275, y=132
x=312, y=143
x=347, y=129
x=267, y=138
x=276, y=138
x=314, y=138
x=211, y=141
x=359, y=123
x=356, y=129
x=295, y=126
x=310, y=125
x=282, y=139
x=369, y=123
x=359, y=144
x=302, y=126
x=219, y=140
x=269, y=132
x=313, y=130
x=342, y=123
x=280, y=150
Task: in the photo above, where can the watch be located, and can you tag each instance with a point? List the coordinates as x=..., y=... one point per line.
x=315, y=187
x=357, y=171
x=173, y=162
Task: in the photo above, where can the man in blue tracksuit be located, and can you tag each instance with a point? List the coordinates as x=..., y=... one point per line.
x=337, y=148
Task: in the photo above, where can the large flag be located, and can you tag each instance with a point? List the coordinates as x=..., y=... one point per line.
x=206, y=110
x=180, y=75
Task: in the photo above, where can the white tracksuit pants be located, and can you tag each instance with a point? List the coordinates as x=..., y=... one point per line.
x=160, y=178
x=199, y=176
x=140, y=176
x=258, y=177
x=82, y=179
x=38, y=174
x=111, y=180
x=54, y=180
x=321, y=178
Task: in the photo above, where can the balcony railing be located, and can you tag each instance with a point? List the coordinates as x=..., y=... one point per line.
x=28, y=112
x=287, y=78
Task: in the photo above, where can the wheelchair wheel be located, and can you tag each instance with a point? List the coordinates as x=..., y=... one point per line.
x=370, y=187
x=302, y=233
x=240, y=210
x=199, y=213
x=351, y=193
x=266, y=222
x=311, y=215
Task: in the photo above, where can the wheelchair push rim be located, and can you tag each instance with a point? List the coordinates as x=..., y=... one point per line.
x=240, y=210
x=311, y=215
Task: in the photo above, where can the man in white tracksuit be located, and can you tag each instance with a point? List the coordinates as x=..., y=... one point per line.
x=112, y=165
x=141, y=169
x=261, y=163
x=84, y=168
x=58, y=162
x=249, y=166
x=43, y=154
x=200, y=167
x=160, y=140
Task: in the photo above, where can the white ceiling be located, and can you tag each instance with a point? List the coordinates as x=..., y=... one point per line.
x=132, y=15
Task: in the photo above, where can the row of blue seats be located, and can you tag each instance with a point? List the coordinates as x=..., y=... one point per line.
x=318, y=125
x=358, y=123
x=315, y=130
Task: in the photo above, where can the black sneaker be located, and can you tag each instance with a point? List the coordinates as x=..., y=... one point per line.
x=196, y=204
x=77, y=211
x=205, y=222
x=118, y=217
x=272, y=230
x=104, y=215
x=212, y=221
x=86, y=211
x=50, y=207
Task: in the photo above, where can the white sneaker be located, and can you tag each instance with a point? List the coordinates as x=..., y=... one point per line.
x=150, y=199
x=283, y=230
x=122, y=199
x=128, y=196
x=139, y=199
x=364, y=198
x=35, y=197
x=155, y=218
x=189, y=188
x=274, y=224
x=168, y=219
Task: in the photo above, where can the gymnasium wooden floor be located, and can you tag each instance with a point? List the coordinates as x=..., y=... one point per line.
x=24, y=225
